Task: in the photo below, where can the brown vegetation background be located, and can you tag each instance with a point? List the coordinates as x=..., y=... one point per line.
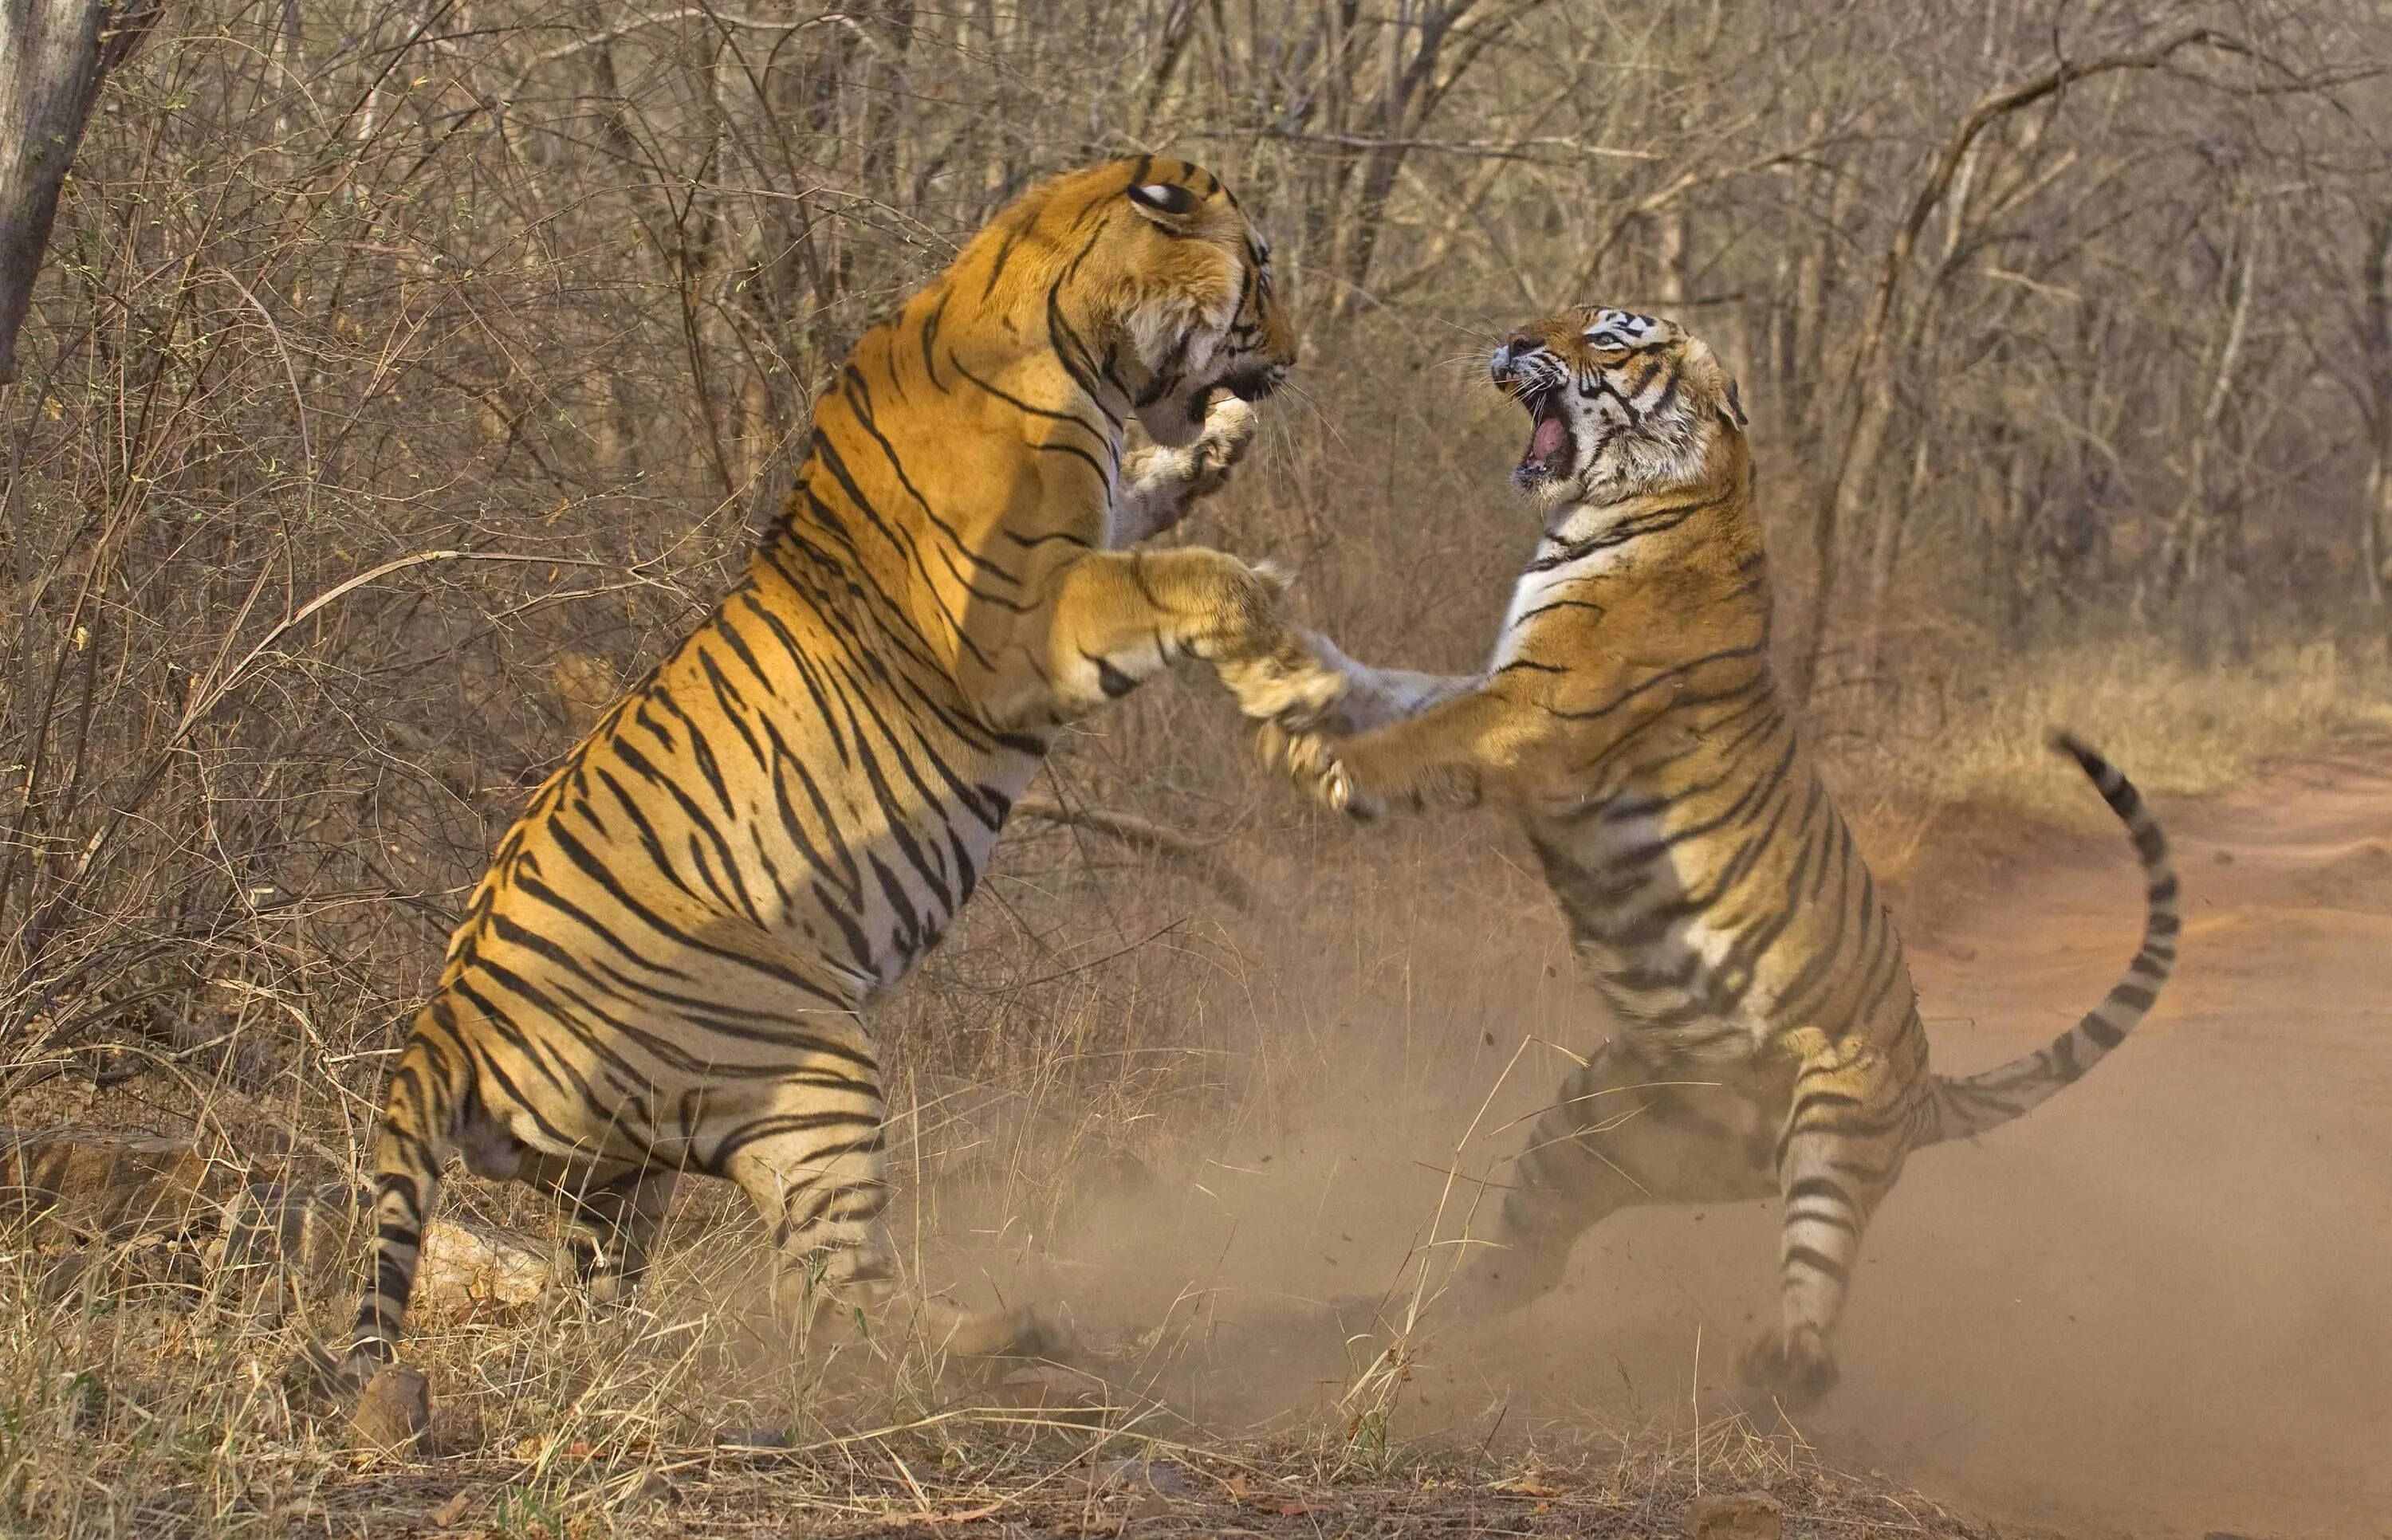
x=406, y=374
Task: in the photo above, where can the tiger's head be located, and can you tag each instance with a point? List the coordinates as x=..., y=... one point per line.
x=1620, y=405
x=1156, y=257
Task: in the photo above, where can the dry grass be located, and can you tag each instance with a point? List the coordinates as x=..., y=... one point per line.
x=158, y=1408
x=2177, y=728
x=2182, y=730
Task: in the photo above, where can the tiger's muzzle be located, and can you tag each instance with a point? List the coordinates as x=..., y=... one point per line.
x=1253, y=381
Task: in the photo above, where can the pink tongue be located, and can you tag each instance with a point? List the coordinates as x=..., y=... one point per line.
x=1546, y=442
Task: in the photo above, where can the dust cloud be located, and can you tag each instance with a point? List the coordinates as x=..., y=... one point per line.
x=2154, y=1307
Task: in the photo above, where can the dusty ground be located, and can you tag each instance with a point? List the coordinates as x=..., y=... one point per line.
x=2155, y=1307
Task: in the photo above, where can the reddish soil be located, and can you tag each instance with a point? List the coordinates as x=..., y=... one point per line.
x=2156, y=1306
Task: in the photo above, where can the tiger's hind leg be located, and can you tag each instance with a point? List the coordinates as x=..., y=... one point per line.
x=821, y=1188
x=429, y=1092
x=1623, y=1131
x=1841, y=1149
x=614, y=1214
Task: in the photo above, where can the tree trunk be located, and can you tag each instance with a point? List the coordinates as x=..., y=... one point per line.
x=2375, y=527
x=2190, y=544
x=53, y=57
x=1670, y=258
x=2376, y=346
x=1885, y=556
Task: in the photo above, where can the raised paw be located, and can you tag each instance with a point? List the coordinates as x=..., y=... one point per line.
x=1333, y=784
x=1282, y=685
x=1229, y=426
x=1794, y=1369
x=1204, y=467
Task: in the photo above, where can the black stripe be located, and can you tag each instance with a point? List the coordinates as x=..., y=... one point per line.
x=1818, y=1261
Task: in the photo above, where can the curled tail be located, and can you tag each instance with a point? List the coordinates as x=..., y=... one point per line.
x=1969, y=1104
x=419, y=1117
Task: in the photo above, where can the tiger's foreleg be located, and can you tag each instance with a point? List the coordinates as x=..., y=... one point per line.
x=1370, y=698
x=1160, y=485
x=1120, y=617
x=1444, y=755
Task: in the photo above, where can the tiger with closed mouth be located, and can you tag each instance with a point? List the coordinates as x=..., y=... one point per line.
x=1769, y=1037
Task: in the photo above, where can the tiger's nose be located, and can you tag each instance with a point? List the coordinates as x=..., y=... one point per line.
x=1518, y=346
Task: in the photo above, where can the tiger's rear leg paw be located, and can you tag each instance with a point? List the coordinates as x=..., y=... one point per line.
x=1794, y=1369
x=394, y=1413
x=1002, y=1337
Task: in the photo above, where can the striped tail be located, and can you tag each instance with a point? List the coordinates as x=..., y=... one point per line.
x=419, y=1122
x=1969, y=1104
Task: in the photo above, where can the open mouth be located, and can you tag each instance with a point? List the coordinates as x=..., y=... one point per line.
x=1550, y=452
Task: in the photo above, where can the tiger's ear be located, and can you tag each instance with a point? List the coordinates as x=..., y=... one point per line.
x=1168, y=205
x=1731, y=409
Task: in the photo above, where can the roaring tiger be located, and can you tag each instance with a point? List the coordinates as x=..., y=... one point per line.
x=664, y=968
x=1769, y=1039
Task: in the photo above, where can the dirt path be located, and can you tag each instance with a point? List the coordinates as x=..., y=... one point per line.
x=2161, y=1305
x=2164, y=1302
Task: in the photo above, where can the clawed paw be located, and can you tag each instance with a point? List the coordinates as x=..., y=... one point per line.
x=1339, y=793
x=1310, y=760
x=1229, y=426
x=1282, y=687
x=1204, y=467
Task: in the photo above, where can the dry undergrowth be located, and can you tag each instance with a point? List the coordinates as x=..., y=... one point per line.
x=144, y=1386
x=158, y=1407
x=1978, y=749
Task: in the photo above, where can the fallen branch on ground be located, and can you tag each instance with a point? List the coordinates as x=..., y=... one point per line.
x=1139, y=834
